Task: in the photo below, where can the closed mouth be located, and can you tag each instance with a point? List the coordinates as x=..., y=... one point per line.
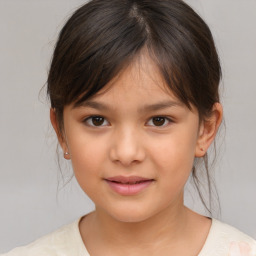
x=128, y=186
x=130, y=183
x=130, y=180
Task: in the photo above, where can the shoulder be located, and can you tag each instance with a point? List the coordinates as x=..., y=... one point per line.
x=223, y=239
x=64, y=241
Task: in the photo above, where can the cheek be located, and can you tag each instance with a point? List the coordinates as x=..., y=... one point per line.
x=88, y=156
x=173, y=157
x=86, y=163
x=175, y=150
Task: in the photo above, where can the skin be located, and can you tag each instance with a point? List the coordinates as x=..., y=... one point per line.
x=129, y=142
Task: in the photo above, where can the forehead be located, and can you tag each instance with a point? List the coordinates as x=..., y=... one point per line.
x=141, y=78
x=138, y=88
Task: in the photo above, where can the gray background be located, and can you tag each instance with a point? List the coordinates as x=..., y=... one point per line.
x=32, y=204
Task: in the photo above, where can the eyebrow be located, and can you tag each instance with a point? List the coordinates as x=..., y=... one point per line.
x=146, y=108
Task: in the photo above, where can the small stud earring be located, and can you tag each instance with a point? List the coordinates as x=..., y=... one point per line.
x=66, y=155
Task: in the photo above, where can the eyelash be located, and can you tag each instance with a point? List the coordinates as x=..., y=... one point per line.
x=88, y=121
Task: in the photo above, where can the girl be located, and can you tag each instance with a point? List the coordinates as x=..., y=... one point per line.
x=133, y=86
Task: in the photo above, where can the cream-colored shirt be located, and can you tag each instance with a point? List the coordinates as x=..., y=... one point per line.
x=222, y=240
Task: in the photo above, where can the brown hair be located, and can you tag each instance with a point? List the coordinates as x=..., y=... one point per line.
x=103, y=36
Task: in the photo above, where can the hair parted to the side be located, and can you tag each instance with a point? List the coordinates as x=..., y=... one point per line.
x=104, y=36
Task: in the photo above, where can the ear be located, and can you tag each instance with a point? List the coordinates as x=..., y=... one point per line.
x=208, y=130
x=59, y=134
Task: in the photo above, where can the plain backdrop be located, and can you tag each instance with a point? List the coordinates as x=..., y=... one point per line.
x=32, y=202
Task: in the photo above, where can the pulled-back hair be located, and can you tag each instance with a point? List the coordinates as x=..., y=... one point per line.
x=104, y=36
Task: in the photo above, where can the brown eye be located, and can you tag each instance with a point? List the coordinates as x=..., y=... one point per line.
x=158, y=121
x=96, y=121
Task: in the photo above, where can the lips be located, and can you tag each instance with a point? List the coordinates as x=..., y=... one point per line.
x=131, y=185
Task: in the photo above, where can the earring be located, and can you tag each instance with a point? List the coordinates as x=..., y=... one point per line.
x=67, y=155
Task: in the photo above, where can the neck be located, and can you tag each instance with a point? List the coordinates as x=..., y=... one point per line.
x=169, y=224
x=161, y=226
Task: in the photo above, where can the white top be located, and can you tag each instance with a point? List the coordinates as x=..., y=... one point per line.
x=222, y=240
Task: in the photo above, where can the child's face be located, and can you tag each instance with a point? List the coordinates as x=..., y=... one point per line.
x=126, y=141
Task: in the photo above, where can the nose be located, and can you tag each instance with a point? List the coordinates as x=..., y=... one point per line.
x=127, y=147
